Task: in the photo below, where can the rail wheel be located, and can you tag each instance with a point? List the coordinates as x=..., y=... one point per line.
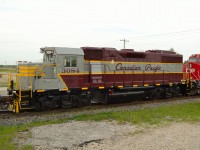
x=86, y=100
x=66, y=102
x=4, y=105
x=5, y=102
x=157, y=93
x=149, y=95
x=38, y=105
x=76, y=101
x=106, y=101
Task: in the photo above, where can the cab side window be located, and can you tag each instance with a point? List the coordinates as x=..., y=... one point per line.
x=70, y=61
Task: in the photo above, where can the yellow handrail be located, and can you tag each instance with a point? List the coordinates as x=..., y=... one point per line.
x=31, y=87
x=17, y=81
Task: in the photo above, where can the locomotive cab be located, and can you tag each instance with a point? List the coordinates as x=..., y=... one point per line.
x=192, y=68
x=42, y=84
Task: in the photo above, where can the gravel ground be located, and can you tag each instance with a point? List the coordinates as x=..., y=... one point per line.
x=113, y=136
x=109, y=135
x=105, y=135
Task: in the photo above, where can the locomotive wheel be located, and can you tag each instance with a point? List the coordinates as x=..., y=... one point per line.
x=66, y=102
x=86, y=101
x=76, y=101
x=149, y=95
x=4, y=105
x=4, y=102
x=157, y=94
x=106, y=99
x=38, y=105
x=167, y=93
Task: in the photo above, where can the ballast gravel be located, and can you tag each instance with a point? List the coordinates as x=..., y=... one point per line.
x=105, y=135
x=113, y=136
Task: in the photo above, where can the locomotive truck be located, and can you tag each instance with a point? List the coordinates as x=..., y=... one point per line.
x=69, y=77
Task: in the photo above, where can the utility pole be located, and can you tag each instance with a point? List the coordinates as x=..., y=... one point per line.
x=124, y=42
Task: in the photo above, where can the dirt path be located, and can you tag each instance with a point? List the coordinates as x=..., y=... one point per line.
x=114, y=136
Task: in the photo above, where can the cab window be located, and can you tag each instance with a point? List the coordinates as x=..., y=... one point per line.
x=70, y=61
x=192, y=60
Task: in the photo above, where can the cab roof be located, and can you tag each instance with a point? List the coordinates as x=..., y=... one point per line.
x=63, y=50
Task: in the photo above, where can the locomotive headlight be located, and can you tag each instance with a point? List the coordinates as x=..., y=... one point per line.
x=192, y=70
x=190, y=66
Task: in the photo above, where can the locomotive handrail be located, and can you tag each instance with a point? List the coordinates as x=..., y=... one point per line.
x=17, y=81
x=31, y=87
x=47, y=65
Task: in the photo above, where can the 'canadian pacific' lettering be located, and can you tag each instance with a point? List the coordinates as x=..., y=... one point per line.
x=121, y=67
x=147, y=67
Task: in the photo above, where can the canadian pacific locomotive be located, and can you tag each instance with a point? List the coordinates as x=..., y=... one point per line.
x=191, y=69
x=192, y=66
x=70, y=77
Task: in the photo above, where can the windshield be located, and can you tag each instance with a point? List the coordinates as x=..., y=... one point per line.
x=192, y=59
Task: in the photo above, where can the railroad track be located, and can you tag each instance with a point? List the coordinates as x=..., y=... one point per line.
x=97, y=106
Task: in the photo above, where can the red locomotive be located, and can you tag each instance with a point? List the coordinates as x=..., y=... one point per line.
x=126, y=73
x=192, y=67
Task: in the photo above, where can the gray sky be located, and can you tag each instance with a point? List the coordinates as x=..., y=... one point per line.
x=27, y=25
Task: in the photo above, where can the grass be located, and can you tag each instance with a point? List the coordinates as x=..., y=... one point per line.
x=4, y=72
x=6, y=134
x=8, y=70
x=184, y=112
x=151, y=116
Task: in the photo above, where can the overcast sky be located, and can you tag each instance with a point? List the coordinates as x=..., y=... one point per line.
x=27, y=25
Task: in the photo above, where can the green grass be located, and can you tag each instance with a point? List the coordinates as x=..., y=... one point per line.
x=151, y=116
x=6, y=134
x=8, y=70
x=4, y=78
x=185, y=112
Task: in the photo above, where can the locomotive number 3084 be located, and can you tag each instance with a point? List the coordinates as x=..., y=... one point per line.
x=70, y=70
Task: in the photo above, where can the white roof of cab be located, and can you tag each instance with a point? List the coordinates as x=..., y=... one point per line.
x=64, y=50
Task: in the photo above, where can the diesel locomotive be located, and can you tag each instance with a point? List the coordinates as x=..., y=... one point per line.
x=73, y=77
x=192, y=66
x=191, y=69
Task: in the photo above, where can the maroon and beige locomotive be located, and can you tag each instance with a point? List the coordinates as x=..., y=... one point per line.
x=70, y=77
